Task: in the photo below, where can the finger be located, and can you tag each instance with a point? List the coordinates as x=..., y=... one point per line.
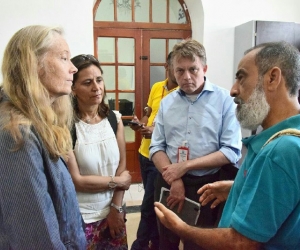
x=161, y=208
x=171, y=179
x=208, y=199
x=112, y=233
x=204, y=196
x=202, y=189
x=173, y=203
x=165, y=167
x=215, y=203
x=166, y=178
x=159, y=214
x=180, y=206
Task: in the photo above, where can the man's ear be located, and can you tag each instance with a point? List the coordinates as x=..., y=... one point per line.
x=205, y=68
x=273, y=78
x=166, y=66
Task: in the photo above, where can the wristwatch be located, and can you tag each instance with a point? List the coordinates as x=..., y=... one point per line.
x=112, y=184
x=120, y=209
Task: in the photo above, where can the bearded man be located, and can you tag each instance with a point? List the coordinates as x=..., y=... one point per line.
x=263, y=204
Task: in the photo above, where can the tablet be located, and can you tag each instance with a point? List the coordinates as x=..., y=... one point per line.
x=190, y=211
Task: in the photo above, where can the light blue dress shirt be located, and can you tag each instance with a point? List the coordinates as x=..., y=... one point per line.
x=208, y=124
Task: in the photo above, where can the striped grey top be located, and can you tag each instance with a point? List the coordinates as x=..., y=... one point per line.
x=38, y=205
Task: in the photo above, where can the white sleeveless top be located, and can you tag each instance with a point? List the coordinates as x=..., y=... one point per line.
x=97, y=153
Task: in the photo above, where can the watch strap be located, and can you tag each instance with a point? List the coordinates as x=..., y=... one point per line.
x=112, y=184
x=120, y=209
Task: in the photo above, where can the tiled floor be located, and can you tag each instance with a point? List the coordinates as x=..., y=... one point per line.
x=133, y=197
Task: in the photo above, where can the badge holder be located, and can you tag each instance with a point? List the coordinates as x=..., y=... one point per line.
x=183, y=152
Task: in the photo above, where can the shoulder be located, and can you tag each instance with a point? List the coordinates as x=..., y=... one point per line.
x=118, y=115
x=283, y=152
x=159, y=85
x=284, y=145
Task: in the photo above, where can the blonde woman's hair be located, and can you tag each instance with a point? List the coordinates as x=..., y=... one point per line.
x=26, y=101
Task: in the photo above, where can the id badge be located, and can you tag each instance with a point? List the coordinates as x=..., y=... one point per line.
x=182, y=154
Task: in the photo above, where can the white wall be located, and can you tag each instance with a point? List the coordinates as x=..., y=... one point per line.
x=213, y=23
x=220, y=18
x=75, y=16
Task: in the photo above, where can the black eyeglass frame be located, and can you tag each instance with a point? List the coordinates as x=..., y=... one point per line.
x=80, y=59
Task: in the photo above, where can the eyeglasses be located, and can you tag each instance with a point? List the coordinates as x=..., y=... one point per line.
x=80, y=59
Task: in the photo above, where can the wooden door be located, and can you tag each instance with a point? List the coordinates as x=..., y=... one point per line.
x=132, y=40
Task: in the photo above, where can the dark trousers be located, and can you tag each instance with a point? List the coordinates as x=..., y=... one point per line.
x=208, y=217
x=147, y=230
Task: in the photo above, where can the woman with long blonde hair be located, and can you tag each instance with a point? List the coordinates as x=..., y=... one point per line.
x=39, y=209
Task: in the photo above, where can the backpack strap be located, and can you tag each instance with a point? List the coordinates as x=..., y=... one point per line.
x=73, y=135
x=288, y=131
x=112, y=120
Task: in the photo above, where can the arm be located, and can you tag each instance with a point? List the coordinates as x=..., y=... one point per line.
x=115, y=219
x=177, y=190
x=97, y=183
x=94, y=183
x=160, y=160
x=226, y=238
x=174, y=171
x=24, y=196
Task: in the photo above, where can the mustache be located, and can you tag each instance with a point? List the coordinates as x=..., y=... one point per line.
x=238, y=100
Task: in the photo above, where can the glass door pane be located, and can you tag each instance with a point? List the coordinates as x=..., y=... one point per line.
x=141, y=11
x=159, y=11
x=105, y=11
x=176, y=13
x=126, y=50
x=126, y=77
x=106, y=49
x=157, y=50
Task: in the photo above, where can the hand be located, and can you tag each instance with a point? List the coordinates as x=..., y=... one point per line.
x=135, y=127
x=173, y=172
x=115, y=221
x=146, y=131
x=217, y=191
x=124, y=180
x=168, y=218
x=177, y=195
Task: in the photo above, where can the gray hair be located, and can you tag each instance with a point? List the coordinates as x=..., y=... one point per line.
x=189, y=48
x=282, y=55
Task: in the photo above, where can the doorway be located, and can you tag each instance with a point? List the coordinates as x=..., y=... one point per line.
x=132, y=55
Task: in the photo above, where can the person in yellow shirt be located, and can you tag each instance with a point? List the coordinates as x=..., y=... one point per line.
x=147, y=233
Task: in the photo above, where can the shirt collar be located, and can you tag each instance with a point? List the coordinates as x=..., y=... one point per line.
x=257, y=141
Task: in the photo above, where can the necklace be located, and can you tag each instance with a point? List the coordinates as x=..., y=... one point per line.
x=88, y=120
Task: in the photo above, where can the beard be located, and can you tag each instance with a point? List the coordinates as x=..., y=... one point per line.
x=252, y=113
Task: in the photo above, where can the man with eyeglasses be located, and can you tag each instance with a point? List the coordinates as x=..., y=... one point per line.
x=196, y=133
